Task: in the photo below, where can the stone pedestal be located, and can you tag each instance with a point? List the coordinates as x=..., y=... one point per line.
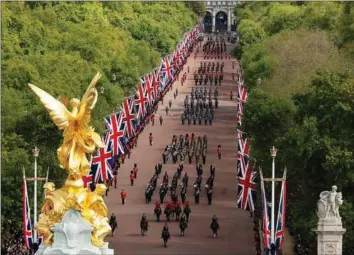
x=329, y=236
x=72, y=236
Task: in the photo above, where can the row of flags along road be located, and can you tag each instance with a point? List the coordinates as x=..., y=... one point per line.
x=247, y=178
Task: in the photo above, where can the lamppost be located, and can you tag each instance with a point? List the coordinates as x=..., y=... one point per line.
x=35, y=154
x=273, y=152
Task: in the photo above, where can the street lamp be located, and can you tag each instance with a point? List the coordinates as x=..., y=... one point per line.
x=273, y=152
x=35, y=152
x=102, y=90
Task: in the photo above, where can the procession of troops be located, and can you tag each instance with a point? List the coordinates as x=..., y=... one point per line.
x=198, y=107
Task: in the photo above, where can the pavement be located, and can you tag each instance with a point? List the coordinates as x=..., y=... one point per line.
x=236, y=226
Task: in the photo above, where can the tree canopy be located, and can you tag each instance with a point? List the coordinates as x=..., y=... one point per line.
x=59, y=46
x=303, y=104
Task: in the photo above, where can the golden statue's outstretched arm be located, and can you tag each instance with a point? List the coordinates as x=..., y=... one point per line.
x=57, y=111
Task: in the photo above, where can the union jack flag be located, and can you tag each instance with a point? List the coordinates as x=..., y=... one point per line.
x=88, y=179
x=239, y=119
x=155, y=79
x=146, y=80
x=266, y=223
x=242, y=93
x=247, y=189
x=27, y=225
x=128, y=117
x=167, y=70
x=102, y=163
x=176, y=58
x=242, y=152
x=240, y=107
x=140, y=101
x=280, y=227
x=116, y=133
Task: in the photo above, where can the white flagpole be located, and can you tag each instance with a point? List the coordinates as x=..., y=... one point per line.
x=273, y=152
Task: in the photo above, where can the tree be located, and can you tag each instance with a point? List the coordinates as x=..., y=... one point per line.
x=59, y=47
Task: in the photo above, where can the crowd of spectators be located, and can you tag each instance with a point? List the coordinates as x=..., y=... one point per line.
x=14, y=245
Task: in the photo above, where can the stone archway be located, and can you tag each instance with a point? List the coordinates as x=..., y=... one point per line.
x=221, y=19
x=208, y=22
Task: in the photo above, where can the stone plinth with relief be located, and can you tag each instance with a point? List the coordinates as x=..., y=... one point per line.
x=73, y=236
x=329, y=228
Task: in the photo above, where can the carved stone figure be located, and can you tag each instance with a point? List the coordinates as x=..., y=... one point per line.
x=329, y=203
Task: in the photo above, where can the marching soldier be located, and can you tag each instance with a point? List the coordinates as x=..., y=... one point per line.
x=210, y=119
x=210, y=195
x=200, y=118
x=189, y=119
x=194, y=119
x=196, y=195
x=183, y=118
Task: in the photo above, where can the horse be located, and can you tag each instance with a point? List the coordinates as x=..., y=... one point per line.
x=144, y=225
x=178, y=212
x=113, y=225
x=165, y=236
x=157, y=212
x=183, y=225
x=163, y=192
x=215, y=227
x=167, y=212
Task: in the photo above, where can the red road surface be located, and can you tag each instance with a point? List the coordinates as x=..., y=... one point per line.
x=236, y=227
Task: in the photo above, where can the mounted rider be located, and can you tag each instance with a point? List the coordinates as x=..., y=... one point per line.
x=157, y=211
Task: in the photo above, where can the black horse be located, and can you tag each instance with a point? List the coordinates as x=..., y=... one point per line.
x=183, y=225
x=215, y=227
x=178, y=211
x=113, y=223
x=144, y=225
x=157, y=212
x=165, y=236
x=167, y=212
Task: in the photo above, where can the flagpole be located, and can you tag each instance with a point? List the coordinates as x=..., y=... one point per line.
x=35, y=154
x=273, y=152
x=46, y=178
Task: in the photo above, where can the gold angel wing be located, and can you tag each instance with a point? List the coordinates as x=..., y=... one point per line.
x=89, y=100
x=57, y=111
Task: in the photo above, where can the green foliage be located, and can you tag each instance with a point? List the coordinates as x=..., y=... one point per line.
x=305, y=105
x=250, y=32
x=198, y=7
x=59, y=46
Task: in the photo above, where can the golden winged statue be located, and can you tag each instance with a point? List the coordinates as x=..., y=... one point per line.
x=79, y=142
x=79, y=138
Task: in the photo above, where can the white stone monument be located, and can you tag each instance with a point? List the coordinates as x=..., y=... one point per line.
x=72, y=236
x=329, y=227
